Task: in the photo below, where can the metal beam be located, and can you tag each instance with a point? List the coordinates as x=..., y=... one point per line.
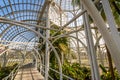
x=42, y=11
x=91, y=49
x=5, y=20
x=113, y=48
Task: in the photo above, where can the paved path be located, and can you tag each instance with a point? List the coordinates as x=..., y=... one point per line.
x=28, y=72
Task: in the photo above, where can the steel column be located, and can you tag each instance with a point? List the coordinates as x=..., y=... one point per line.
x=113, y=48
x=47, y=53
x=91, y=49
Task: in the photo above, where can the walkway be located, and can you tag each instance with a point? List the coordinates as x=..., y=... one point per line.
x=28, y=72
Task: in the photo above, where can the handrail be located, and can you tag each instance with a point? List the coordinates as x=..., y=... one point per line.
x=59, y=73
x=13, y=72
x=48, y=75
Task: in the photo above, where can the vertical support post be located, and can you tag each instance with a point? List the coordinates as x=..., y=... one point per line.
x=101, y=55
x=111, y=22
x=110, y=42
x=76, y=33
x=47, y=53
x=4, y=59
x=35, y=61
x=91, y=49
x=62, y=55
x=78, y=47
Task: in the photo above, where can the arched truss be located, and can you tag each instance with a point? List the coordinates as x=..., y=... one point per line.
x=21, y=20
x=20, y=10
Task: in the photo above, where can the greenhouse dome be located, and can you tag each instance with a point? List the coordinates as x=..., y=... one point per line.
x=59, y=40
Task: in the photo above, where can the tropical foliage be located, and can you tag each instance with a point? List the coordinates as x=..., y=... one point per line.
x=74, y=70
x=106, y=74
x=5, y=71
x=61, y=45
x=115, y=4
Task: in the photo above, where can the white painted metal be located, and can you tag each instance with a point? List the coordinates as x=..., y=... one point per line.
x=113, y=48
x=4, y=60
x=40, y=35
x=111, y=22
x=78, y=47
x=5, y=20
x=91, y=49
x=47, y=53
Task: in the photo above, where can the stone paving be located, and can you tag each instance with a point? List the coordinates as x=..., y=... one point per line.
x=28, y=72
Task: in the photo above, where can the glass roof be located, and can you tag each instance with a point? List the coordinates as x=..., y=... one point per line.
x=20, y=10
x=30, y=11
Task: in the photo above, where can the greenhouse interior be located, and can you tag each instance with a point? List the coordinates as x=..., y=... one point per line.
x=59, y=40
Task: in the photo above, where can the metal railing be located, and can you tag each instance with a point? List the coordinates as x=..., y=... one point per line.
x=57, y=73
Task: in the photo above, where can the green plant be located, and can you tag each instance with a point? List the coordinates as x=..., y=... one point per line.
x=106, y=75
x=74, y=71
x=5, y=71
